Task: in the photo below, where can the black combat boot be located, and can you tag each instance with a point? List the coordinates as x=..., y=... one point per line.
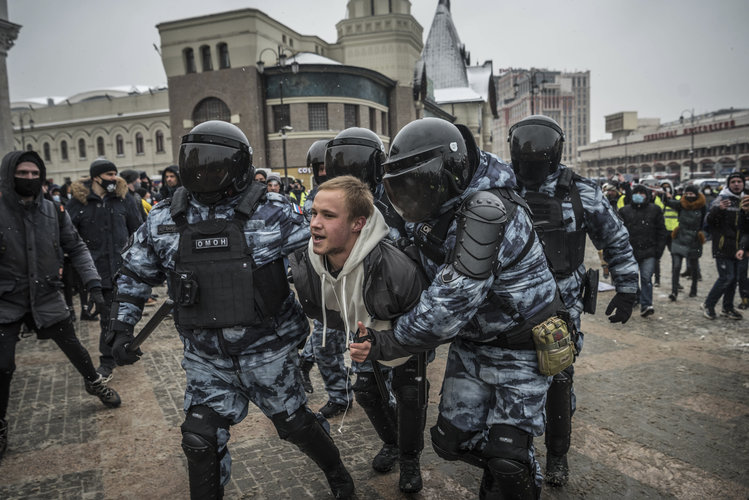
x=557, y=470
x=3, y=437
x=106, y=394
x=410, y=478
x=306, y=382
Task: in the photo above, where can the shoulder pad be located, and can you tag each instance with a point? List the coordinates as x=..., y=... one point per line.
x=481, y=221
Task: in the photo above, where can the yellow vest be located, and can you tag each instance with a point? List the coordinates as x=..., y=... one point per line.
x=671, y=216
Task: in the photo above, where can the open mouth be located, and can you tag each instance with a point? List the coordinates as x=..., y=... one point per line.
x=317, y=238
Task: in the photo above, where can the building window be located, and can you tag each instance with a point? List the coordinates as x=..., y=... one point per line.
x=373, y=120
x=189, y=60
x=210, y=108
x=64, y=150
x=120, y=145
x=81, y=149
x=100, y=146
x=318, y=116
x=223, y=56
x=159, y=141
x=45, y=148
x=350, y=115
x=384, y=123
x=281, y=117
x=205, y=57
x=138, y=143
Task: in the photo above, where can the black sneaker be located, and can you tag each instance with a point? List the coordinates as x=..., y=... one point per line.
x=709, y=312
x=106, y=372
x=744, y=304
x=410, y=478
x=648, y=311
x=85, y=316
x=693, y=293
x=672, y=297
x=386, y=458
x=731, y=314
x=3, y=437
x=106, y=394
x=332, y=409
x=557, y=470
x=657, y=284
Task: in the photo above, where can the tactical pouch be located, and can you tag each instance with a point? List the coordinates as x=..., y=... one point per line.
x=187, y=289
x=590, y=291
x=554, y=346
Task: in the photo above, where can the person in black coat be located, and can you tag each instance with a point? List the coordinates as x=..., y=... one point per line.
x=647, y=235
x=105, y=217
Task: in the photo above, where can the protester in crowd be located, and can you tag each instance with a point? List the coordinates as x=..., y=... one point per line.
x=170, y=181
x=687, y=237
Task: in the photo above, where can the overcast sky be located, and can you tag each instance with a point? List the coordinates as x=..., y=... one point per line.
x=656, y=57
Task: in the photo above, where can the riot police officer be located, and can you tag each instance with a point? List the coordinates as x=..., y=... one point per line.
x=565, y=208
x=221, y=240
x=490, y=287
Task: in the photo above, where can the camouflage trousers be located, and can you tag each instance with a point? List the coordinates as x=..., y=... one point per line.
x=486, y=385
x=273, y=387
x=330, y=362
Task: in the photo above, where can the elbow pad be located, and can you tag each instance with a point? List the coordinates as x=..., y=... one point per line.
x=481, y=223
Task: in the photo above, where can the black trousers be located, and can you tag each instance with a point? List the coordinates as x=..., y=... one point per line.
x=62, y=333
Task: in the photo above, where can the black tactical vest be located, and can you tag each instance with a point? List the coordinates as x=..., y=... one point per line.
x=215, y=274
x=565, y=250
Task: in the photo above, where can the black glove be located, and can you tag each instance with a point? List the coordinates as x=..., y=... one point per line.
x=623, y=303
x=96, y=302
x=123, y=336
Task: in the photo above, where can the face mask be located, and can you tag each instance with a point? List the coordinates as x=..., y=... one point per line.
x=638, y=198
x=56, y=197
x=28, y=187
x=109, y=186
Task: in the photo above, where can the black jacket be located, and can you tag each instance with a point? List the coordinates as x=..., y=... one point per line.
x=727, y=226
x=33, y=238
x=164, y=190
x=647, y=229
x=105, y=224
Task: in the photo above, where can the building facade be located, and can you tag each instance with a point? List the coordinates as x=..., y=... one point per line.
x=708, y=145
x=564, y=97
x=130, y=127
x=8, y=35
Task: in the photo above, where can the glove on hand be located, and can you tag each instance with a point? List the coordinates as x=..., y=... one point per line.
x=96, y=302
x=122, y=338
x=623, y=303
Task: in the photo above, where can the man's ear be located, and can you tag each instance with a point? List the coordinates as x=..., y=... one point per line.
x=359, y=223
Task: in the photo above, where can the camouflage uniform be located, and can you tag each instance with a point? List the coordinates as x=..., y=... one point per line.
x=484, y=386
x=227, y=368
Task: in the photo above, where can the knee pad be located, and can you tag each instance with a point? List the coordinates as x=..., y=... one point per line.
x=366, y=392
x=507, y=454
x=559, y=414
x=508, y=442
x=200, y=428
x=446, y=440
x=291, y=426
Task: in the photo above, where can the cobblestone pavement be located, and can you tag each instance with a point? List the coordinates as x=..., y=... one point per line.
x=663, y=411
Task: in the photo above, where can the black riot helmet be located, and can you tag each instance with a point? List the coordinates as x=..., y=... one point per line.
x=431, y=161
x=356, y=151
x=215, y=161
x=316, y=159
x=536, y=144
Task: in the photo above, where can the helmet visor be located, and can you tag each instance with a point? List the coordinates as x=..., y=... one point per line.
x=535, y=150
x=351, y=156
x=417, y=192
x=208, y=168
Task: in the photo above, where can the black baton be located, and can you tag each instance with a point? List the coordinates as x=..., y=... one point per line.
x=148, y=329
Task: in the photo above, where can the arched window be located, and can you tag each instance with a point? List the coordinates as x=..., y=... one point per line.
x=47, y=155
x=210, y=108
x=159, y=141
x=205, y=57
x=81, y=148
x=119, y=145
x=189, y=60
x=138, y=143
x=100, y=146
x=64, y=150
x=223, y=56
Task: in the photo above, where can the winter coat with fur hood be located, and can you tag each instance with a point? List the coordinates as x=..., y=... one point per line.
x=105, y=224
x=33, y=237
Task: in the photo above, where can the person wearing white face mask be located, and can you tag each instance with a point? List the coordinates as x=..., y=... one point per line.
x=105, y=217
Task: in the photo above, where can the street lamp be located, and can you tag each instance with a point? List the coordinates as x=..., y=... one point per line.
x=691, y=133
x=29, y=122
x=534, y=89
x=281, y=63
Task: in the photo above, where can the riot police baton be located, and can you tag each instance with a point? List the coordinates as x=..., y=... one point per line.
x=148, y=329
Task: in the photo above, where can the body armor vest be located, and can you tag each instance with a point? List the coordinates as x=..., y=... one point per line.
x=565, y=250
x=215, y=274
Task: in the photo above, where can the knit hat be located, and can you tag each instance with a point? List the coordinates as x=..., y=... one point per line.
x=101, y=166
x=734, y=175
x=274, y=178
x=129, y=175
x=692, y=188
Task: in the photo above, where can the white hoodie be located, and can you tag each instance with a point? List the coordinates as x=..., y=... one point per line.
x=344, y=292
